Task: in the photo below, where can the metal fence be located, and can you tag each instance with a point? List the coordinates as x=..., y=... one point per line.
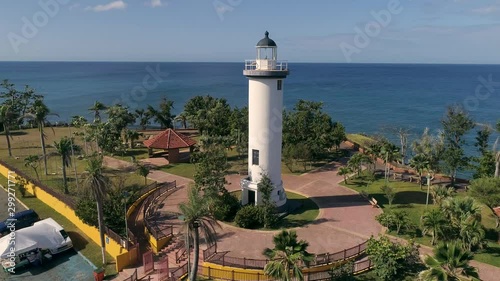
x=150, y=205
x=232, y=275
x=132, y=277
x=320, y=259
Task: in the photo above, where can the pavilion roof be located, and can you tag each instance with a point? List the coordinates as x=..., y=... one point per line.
x=169, y=139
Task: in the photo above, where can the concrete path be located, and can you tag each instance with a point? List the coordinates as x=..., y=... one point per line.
x=345, y=218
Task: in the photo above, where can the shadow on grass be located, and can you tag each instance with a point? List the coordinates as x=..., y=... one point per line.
x=17, y=133
x=79, y=243
x=491, y=234
x=411, y=197
x=493, y=251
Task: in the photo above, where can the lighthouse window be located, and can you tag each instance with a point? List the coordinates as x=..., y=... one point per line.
x=255, y=157
x=280, y=84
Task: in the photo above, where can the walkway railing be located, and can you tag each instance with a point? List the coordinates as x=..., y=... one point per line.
x=225, y=274
x=320, y=259
x=150, y=207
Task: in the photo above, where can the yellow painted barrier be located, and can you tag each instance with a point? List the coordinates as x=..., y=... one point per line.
x=216, y=271
x=112, y=247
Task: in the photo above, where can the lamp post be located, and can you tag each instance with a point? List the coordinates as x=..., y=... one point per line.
x=428, y=188
x=125, y=199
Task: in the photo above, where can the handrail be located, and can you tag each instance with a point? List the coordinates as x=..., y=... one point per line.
x=231, y=275
x=320, y=259
x=149, y=206
x=271, y=65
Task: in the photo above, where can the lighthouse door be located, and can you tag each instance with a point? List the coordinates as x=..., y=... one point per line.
x=251, y=197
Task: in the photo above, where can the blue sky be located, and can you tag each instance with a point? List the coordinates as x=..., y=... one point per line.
x=446, y=31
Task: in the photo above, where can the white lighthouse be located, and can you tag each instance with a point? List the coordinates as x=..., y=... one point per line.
x=265, y=106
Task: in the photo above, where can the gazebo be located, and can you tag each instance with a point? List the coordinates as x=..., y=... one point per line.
x=170, y=141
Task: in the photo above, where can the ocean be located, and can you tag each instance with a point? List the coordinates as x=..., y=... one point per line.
x=365, y=97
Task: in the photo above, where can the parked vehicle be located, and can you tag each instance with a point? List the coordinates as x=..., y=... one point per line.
x=20, y=220
x=31, y=245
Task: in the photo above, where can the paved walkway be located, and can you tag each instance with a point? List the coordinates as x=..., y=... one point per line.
x=345, y=218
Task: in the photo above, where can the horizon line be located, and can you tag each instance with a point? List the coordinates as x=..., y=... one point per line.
x=289, y=61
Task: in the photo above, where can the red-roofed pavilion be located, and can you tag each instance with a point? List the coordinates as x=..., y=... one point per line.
x=171, y=141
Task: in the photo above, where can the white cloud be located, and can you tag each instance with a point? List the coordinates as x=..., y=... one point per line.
x=74, y=6
x=155, y=3
x=487, y=10
x=116, y=5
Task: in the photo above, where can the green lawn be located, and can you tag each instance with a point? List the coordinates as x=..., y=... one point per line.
x=81, y=242
x=181, y=169
x=362, y=140
x=411, y=198
x=307, y=213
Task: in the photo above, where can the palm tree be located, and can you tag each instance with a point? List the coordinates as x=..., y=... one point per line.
x=132, y=136
x=6, y=116
x=344, y=171
x=65, y=148
x=419, y=162
x=389, y=153
x=374, y=152
x=97, y=183
x=144, y=117
x=440, y=193
x=287, y=256
x=471, y=233
x=39, y=113
x=143, y=171
x=434, y=222
x=356, y=162
x=460, y=209
x=450, y=263
x=32, y=161
x=197, y=218
x=97, y=108
x=182, y=118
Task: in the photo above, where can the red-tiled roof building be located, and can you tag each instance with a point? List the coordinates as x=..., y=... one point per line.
x=171, y=141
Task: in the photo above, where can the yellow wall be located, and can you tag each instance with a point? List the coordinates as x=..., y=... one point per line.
x=138, y=202
x=113, y=248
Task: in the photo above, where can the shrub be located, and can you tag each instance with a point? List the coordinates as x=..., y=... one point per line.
x=342, y=272
x=389, y=193
x=249, y=217
x=396, y=221
x=252, y=217
x=227, y=208
x=269, y=217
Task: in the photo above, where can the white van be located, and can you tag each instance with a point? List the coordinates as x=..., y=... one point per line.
x=61, y=240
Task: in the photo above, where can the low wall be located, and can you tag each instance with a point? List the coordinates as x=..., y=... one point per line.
x=112, y=247
x=219, y=272
x=156, y=245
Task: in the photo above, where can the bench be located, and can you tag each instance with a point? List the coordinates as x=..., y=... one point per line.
x=374, y=202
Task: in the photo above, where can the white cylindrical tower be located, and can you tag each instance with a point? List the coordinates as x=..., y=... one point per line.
x=265, y=107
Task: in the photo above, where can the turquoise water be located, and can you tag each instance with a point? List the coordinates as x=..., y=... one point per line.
x=364, y=97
